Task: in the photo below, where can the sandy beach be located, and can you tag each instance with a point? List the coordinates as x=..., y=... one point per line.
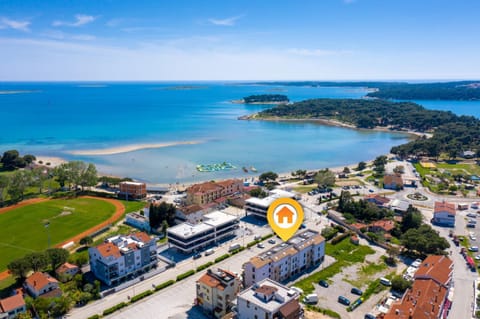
x=54, y=161
x=129, y=148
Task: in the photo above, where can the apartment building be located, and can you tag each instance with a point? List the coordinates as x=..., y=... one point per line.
x=268, y=300
x=188, y=237
x=302, y=251
x=444, y=214
x=259, y=206
x=208, y=192
x=216, y=289
x=429, y=296
x=123, y=257
x=132, y=190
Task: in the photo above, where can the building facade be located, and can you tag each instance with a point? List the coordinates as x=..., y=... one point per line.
x=268, y=300
x=190, y=214
x=132, y=190
x=12, y=306
x=40, y=284
x=259, y=206
x=216, y=289
x=208, y=192
x=444, y=214
x=393, y=181
x=216, y=226
x=123, y=257
x=138, y=221
x=302, y=251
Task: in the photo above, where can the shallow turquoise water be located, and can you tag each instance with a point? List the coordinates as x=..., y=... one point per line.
x=61, y=117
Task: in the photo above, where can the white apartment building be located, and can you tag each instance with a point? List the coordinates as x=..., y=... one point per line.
x=302, y=251
x=138, y=221
x=216, y=289
x=268, y=300
x=188, y=237
x=123, y=257
x=259, y=206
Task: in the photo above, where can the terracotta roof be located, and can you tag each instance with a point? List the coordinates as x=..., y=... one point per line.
x=444, y=207
x=38, y=280
x=358, y=226
x=289, y=309
x=108, y=249
x=229, y=182
x=258, y=262
x=64, y=267
x=438, y=268
x=142, y=236
x=386, y=225
x=377, y=198
x=203, y=187
x=266, y=290
x=11, y=303
x=393, y=179
x=423, y=301
x=210, y=281
x=57, y=292
x=190, y=209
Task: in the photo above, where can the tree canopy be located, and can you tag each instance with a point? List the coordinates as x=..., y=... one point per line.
x=268, y=176
x=265, y=98
x=325, y=177
x=425, y=240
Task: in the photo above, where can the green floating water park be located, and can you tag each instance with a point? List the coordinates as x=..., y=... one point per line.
x=215, y=167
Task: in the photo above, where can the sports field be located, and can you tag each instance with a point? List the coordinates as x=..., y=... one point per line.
x=23, y=229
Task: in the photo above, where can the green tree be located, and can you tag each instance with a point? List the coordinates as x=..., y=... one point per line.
x=164, y=228
x=300, y=173
x=361, y=166
x=37, y=260
x=57, y=256
x=39, y=176
x=4, y=181
x=268, y=176
x=400, y=284
x=424, y=240
x=411, y=219
x=28, y=158
x=19, y=182
x=89, y=176
x=380, y=160
x=87, y=240
x=10, y=159
x=258, y=192
x=325, y=178
x=19, y=267
x=62, y=174
x=346, y=170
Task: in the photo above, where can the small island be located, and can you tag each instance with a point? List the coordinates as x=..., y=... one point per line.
x=263, y=99
x=448, y=133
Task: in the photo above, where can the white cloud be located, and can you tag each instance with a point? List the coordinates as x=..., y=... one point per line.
x=83, y=37
x=60, y=35
x=315, y=52
x=80, y=19
x=6, y=23
x=225, y=22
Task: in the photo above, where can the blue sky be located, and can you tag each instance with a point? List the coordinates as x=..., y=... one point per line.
x=239, y=40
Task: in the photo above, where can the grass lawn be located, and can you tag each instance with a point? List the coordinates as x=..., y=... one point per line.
x=132, y=206
x=304, y=188
x=23, y=229
x=365, y=273
x=345, y=253
x=470, y=168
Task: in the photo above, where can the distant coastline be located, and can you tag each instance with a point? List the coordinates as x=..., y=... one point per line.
x=128, y=148
x=5, y=92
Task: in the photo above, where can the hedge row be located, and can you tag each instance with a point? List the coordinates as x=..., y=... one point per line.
x=185, y=275
x=252, y=243
x=222, y=257
x=141, y=296
x=94, y=317
x=339, y=238
x=236, y=251
x=164, y=285
x=204, y=266
x=268, y=236
x=111, y=310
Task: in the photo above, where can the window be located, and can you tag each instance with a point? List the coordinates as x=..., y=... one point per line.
x=248, y=304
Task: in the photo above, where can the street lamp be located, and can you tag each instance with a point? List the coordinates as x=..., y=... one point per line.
x=47, y=226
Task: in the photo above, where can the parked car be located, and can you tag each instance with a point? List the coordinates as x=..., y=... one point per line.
x=271, y=241
x=471, y=225
x=343, y=300
x=356, y=291
x=299, y=290
x=196, y=256
x=472, y=215
x=311, y=299
x=369, y=316
x=209, y=251
x=384, y=281
x=260, y=245
x=477, y=257
x=323, y=283
x=473, y=248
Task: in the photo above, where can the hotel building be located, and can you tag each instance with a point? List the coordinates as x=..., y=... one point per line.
x=259, y=206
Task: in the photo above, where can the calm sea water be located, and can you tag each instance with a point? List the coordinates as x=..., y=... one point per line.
x=60, y=117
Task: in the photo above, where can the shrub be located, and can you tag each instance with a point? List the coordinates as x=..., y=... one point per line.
x=267, y=236
x=252, y=243
x=236, y=251
x=185, y=275
x=222, y=257
x=94, y=317
x=204, y=266
x=111, y=310
x=141, y=296
x=164, y=285
x=339, y=238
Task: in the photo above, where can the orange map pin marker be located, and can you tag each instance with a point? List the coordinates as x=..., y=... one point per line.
x=285, y=215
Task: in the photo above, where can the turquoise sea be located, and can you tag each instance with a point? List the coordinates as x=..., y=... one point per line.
x=55, y=119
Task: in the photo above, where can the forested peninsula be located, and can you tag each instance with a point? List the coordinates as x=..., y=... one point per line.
x=263, y=99
x=459, y=90
x=450, y=133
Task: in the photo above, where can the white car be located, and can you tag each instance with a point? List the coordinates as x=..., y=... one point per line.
x=477, y=257
x=473, y=238
x=473, y=248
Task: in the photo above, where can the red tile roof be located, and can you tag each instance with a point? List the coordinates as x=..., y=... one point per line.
x=358, y=226
x=438, y=268
x=108, y=249
x=386, y=225
x=142, y=236
x=39, y=280
x=66, y=266
x=390, y=179
x=423, y=301
x=190, y=209
x=377, y=198
x=11, y=303
x=444, y=207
